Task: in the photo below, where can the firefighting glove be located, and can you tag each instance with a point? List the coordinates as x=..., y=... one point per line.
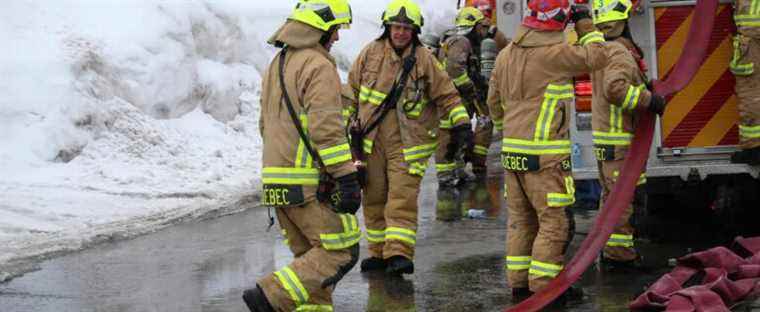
x=350, y=193
x=461, y=139
x=657, y=104
x=579, y=12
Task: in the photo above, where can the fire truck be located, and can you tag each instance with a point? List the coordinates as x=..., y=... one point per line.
x=689, y=174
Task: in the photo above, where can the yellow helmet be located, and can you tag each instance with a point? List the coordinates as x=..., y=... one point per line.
x=468, y=17
x=610, y=10
x=405, y=12
x=322, y=14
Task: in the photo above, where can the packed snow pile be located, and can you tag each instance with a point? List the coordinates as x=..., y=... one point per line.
x=119, y=117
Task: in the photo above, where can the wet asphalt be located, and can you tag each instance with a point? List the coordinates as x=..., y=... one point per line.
x=206, y=265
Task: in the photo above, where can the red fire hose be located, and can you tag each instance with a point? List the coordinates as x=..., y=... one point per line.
x=635, y=162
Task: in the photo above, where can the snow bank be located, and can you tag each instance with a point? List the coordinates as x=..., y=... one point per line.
x=119, y=117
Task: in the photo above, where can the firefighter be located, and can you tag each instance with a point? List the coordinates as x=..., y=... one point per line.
x=299, y=161
x=493, y=32
x=746, y=54
x=620, y=89
x=530, y=92
x=460, y=53
x=402, y=95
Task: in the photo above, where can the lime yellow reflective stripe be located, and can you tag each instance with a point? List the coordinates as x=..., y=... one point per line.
x=642, y=178
x=620, y=240
x=632, y=97
x=562, y=200
x=749, y=132
x=480, y=150
x=462, y=80
x=439, y=65
x=539, y=268
x=376, y=236
x=559, y=92
x=285, y=237
x=349, y=237
x=416, y=108
x=543, y=125
x=290, y=176
x=445, y=167
x=368, y=146
x=336, y=154
x=445, y=124
x=419, y=152
x=498, y=124
x=418, y=168
x=458, y=113
x=616, y=119
x=510, y=145
x=374, y=97
x=518, y=263
x=610, y=138
x=401, y=234
x=315, y=308
x=750, y=20
x=594, y=36
x=552, y=96
x=292, y=285
x=303, y=158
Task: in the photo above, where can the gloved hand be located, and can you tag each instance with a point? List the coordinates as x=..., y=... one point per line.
x=350, y=193
x=579, y=12
x=657, y=104
x=461, y=138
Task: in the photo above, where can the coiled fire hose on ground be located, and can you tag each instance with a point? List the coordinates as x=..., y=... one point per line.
x=693, y=54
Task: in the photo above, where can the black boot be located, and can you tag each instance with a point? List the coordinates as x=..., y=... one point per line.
x=519, y=294
x=372, y=264
x=256, y=300
x=399, y=265
x=572, y=294
x=630, y=266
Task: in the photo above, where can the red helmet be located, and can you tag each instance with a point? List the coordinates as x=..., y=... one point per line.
x=485, y=6
x=547, y=14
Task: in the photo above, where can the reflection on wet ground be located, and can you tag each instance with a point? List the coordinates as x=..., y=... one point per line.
x=204, y=266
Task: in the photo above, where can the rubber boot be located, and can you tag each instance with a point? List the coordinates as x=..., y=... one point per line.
x=256, y=300
x=630, y=266
x=572, y=294
x=520, y=294
x=373, y=264
x=399, y=265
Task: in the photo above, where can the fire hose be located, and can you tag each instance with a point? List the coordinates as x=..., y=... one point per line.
x=693, y=54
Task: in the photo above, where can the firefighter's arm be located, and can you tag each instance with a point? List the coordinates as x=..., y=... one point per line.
x=442, y=92
x=456, y=66
x=322, y=100
x=586, y=56
x=495, y=109
x=618, y=77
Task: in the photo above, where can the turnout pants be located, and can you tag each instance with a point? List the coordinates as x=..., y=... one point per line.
x=445, y=168
x=620, y=246
x=390, y=197
x=325, y=245
x=539, y=227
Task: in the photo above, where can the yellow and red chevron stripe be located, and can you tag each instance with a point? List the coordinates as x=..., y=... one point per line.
x=704, y=113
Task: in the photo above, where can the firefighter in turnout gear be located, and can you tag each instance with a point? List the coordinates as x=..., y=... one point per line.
x=494, y=33
x=301, y=160
x=746, y=54
x=620, y=90
x=530, y=92
x=461, y=58
x=402, y=94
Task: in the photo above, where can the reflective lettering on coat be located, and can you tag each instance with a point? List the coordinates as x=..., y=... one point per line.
x=519, y=162
x=282, y=195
